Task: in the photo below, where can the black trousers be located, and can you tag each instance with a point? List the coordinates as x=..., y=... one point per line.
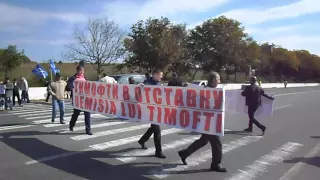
x=16, y=94
x=252, y=120
x=48, y=96
x=215, y=143
x=25, y=96
x=87, y=119
x=156, y=131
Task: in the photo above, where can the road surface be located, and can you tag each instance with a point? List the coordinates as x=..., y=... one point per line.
x=33, y=148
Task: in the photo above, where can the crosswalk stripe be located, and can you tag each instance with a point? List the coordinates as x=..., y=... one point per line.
x=62, y=131
x=48, y=116
x=259, y=167
x=110, y=132
x=96, y=117
x=123, y=141
x=129, y=157
x=164, y=171
x=15, y=127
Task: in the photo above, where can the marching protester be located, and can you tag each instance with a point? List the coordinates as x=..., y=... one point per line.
x=48, y=94
x=16, y=93
x=23, y=85
x=253, y=94
x=131, y=80
x=57, y=90
x=175, y=81
x=154, y=129
x=79, y=76
x=214, y=140
x=9, y=93
x=2, y=95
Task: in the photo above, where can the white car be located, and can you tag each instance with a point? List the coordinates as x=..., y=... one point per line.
x=202, y=83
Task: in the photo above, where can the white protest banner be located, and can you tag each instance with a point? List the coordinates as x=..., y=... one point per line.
x=200, y=110
x=237, y=104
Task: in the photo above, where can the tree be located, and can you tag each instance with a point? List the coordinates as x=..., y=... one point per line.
x=99, y=44
x=60, y=62
x=10, y=58
x=218, y=43
x=156, y=43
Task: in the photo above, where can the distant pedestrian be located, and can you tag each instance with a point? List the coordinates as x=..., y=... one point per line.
x=48, y=94
x=57, y=91
x=2, y=95
x=16, y=93
x=253, y=94
x=147, y=75
x=131, y=80
x=79, y=76
x=214, y=140
x=23, y=85
x=9, y=94
x=175, y=81
x=285, y=84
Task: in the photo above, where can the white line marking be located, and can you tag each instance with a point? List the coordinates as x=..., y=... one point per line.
x=280, y=107
x=62, y=131
x=93, y=117
x=164, y=171
x=102, y=146
x=123, y=141
x=260, y=166
x=297, y=167
x=14, y=127
x=48, y=116
x=129, y=157
x=301, y=92
x=109, y=132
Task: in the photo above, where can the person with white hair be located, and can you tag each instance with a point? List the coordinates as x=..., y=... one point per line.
x=108, y=80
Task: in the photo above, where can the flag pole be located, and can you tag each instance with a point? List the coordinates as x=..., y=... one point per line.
x=51, y=74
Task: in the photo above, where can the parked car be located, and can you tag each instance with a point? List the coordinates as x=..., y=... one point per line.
x=200, y=82
x=124, y=78
x=247, y=83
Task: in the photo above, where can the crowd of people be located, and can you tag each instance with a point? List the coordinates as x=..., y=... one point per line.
x=10, y=90
x=58, y=88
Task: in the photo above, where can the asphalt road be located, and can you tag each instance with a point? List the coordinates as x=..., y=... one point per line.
x=33, y=148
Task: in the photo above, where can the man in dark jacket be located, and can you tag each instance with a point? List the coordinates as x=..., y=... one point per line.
x=154, y=129
x=175, y=81
x=9, y=93
x=79, y=76
x=216, y=147
x=253, y=95
x=16, y=93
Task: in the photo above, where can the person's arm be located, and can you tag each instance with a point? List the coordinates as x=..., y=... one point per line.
x=244, y=92
x=26, y=84
x=265, y=95
x=50, y=90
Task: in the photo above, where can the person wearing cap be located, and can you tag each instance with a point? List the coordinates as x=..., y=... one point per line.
x=214, y=140
x=253, y=94
x=57, y=90
x=79, y=76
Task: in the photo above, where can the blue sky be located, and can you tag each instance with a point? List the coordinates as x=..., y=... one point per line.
x=42, y=28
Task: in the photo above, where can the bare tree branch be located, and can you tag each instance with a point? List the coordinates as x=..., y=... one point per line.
x=100, y=44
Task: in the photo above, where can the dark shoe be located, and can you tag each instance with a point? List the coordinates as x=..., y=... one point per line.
x=263, y=130
x=183, y=158
x=217, y=168
x=160, y=155
x=89, y=133
x=52, y=120
x=248, y=130
x=62, y=122
x=70, y=128
x=143, y=146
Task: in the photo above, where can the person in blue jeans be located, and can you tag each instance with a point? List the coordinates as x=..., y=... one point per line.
x=57, y=90
x=79, y=76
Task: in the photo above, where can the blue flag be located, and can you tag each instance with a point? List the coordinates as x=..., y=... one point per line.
x=39, y=71
x=54, y=69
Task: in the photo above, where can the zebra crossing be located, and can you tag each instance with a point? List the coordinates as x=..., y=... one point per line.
x=127, y=133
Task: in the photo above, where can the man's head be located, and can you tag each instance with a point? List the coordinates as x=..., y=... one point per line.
x=58, y=77
x=80, y=70
x=157, y=74
x=213, y=79
x=147, y=75
x=21, y=78
x=7, y=79
x=174, y=75
x=131, y=80
x=253, y=80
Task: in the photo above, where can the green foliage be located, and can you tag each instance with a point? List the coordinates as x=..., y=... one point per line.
x=10, y=58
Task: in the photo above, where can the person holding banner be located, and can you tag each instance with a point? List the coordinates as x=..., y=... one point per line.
x=79, y=76
x=214, y=140
x=253, y=95
x=154, y=129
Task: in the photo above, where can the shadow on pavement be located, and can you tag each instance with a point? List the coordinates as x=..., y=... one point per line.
x=83, y=164
x=314, y=161
x=315, y=137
